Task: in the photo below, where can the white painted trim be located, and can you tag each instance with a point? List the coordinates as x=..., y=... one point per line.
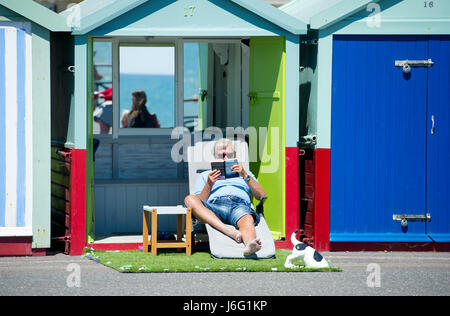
x=179, y=81
x=166, y=210
x=16, y=231
x=29, y=126
x=11, y=126
x=324, y=66
x=145, y=41
x=292, y=99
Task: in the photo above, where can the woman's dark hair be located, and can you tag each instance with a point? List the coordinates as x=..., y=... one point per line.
x=138, y=108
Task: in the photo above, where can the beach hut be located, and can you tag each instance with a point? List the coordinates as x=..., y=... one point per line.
x=26, y=30
x=374, y=95
x=203, y=63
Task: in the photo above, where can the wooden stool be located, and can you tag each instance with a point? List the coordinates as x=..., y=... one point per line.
x=166, y=210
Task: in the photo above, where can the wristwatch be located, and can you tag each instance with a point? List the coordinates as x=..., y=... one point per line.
x=247, y=178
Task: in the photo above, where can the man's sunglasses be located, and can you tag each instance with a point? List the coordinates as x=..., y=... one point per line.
x=228, y=155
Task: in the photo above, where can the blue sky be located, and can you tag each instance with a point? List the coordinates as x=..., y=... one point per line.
x=147, y=60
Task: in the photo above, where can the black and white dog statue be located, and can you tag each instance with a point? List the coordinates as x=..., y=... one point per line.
x=310, y=257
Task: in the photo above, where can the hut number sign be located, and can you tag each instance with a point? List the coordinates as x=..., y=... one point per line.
x=428, y=4
x=189, y=11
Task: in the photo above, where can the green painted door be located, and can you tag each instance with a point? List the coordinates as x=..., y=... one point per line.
x=266, y=114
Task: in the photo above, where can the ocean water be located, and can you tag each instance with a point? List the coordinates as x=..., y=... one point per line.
x=160, y=91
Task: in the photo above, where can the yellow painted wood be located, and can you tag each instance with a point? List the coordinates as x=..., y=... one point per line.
x=179, y=227
x=155, y=244
x=171, y=244
x=145, y=231
x=188, y=231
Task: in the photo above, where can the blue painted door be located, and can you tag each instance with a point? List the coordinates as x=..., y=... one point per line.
x=378, y=140
x=438, y=149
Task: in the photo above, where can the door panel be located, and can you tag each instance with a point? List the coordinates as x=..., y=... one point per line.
x=438, y=170
x=204, y=80
x=266, y=110
x=378, y=144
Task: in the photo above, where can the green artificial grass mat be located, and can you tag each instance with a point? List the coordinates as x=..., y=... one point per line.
x=171, y=261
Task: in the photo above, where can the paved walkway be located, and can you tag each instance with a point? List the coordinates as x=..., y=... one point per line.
x=400, y=273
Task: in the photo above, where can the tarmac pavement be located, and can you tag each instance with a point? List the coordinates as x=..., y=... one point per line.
x=364, y=273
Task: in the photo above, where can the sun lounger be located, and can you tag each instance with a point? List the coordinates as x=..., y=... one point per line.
x=221, y=246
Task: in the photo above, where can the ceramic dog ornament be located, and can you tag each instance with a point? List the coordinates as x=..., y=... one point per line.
x=310, y=257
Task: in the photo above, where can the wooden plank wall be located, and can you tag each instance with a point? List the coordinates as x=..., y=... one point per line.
x=60, y=179
x=118, y=204
x=103, y=162
x=131, y=171
x=306, y=195
x=137, y=158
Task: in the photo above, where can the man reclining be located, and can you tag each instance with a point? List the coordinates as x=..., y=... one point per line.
x=220, y=202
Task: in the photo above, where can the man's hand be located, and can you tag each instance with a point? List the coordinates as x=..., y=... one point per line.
x=213, y=176
x=238, y=168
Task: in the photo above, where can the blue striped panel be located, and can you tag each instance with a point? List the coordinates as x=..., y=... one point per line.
x=2, y=129
x=21, y=145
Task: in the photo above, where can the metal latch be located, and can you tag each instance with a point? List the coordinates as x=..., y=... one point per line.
x=308, y=140
x=404, y=218
x=407, y=64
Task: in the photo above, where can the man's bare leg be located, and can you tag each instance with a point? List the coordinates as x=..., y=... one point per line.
x=206, y=215
x=246, y=226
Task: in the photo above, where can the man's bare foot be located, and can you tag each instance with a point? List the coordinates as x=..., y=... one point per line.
x=238, y=237
x=235, y=235
x=252, y=247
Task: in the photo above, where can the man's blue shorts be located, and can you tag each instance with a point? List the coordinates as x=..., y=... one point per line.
x=229, y=209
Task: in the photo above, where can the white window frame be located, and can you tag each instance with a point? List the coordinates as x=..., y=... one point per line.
x=178, y=102
x=178, y=108
x=242, y=69
x=108, y=40
x=178, y=43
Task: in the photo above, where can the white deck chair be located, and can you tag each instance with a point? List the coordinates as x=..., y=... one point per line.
x=222, y=246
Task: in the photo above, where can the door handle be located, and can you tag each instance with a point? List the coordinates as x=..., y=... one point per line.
x=432, y=124
x=203, y=95
x=252, y=98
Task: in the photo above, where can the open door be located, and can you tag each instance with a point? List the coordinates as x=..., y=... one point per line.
x=266, y=114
